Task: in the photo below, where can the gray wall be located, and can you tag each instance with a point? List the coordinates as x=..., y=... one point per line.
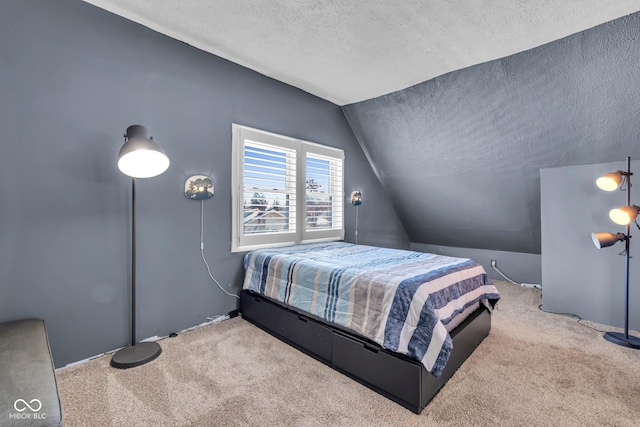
x=519, y=267
x=577, y=277
x=73, y=77
x=460, y=154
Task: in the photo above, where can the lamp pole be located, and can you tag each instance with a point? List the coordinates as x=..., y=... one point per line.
x=627, y=257
x=625, y=339
x=133, y=261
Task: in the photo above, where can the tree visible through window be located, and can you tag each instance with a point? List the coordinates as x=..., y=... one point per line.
x=323, y=193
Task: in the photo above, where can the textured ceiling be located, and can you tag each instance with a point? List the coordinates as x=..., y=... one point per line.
x=347, y=51
x=460, y=155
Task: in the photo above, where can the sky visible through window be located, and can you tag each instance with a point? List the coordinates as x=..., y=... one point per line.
x=317, y=175
x=265, y=170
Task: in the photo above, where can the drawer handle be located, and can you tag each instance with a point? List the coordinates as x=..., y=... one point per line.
x=302, y=319
x=371, y=349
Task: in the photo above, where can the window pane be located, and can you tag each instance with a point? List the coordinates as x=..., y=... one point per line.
x=269, y=190
x=323, y=204
x=268, y=213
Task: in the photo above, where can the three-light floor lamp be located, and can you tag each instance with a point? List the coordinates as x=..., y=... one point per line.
x=623, y=216
x=139, y=157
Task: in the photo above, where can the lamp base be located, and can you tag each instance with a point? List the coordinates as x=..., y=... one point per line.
x=620, y=339
x=135, y=355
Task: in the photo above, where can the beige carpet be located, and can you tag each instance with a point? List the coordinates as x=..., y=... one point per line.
x=534, y=369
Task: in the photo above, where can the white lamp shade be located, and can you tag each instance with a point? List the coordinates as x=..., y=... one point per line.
x=141, y=157
x=604, y=240
x=623, y=215
x=143, y=163
x=610, y=181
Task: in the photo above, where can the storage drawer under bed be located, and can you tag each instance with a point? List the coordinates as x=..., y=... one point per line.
x=390, y=375
x=304, y=333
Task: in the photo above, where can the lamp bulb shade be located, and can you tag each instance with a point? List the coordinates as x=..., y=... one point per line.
x=624, y=215
x=610, y=181
x=141, y=157
x=603, y=240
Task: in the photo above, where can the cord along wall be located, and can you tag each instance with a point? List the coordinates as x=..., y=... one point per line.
x=201, y=188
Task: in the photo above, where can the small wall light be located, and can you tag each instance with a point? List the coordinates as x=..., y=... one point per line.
x=356, y=200
x=356, y=197
x=199, y=187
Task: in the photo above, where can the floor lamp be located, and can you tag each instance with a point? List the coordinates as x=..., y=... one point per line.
x=140, y=157
x=623, y=216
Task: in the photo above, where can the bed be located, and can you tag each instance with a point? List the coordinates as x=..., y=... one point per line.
x=399, y=322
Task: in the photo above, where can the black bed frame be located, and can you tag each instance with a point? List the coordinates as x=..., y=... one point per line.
x=395, y=376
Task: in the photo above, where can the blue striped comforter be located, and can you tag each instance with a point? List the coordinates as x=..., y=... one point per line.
x=401, y=300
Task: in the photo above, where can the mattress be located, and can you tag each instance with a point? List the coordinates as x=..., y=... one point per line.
x=404, y=301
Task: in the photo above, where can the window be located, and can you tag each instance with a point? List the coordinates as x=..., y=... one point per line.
x=285, y=190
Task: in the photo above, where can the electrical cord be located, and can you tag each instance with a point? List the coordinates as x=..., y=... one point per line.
x=527, y=285
x=570, y=315
x=495, y=267
x=356, y=224
x=202, y=251
x=624, y=180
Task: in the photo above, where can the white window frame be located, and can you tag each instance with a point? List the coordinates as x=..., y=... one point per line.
x=241, y=242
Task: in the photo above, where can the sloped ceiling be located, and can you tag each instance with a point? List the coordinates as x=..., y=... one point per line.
x=460, y=155
x=347, y=51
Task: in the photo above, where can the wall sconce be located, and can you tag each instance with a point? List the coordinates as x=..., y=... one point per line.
x=356, y=197
x=356, y=200
x=622, y=216
x=198, y=187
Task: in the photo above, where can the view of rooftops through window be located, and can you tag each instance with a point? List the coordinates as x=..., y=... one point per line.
x=270, y=190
